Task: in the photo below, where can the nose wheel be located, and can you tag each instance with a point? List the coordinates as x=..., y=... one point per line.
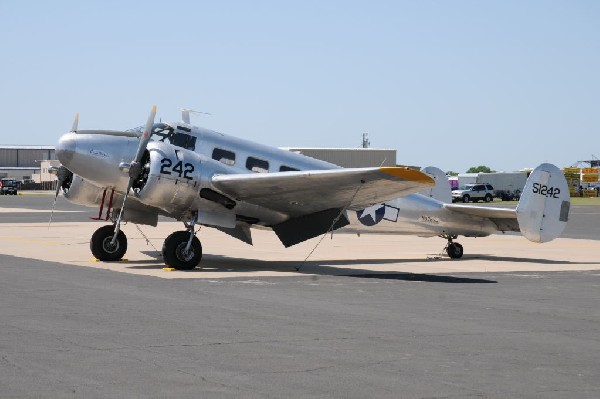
x=453, y=249
x=103, y=246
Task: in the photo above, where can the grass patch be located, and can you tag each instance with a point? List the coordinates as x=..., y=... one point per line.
x=574, y=201
x=585, y=201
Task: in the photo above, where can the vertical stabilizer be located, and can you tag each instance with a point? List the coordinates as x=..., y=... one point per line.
x=543, y=210
x=441, y=191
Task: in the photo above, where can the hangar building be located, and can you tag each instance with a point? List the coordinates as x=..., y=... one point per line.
x=21, y=162
x=350, y=157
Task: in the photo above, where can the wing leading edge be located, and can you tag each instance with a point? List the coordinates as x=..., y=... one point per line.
x=314, y=199
x=307, y=192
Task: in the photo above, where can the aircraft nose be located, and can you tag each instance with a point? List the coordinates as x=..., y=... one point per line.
x=66, y=147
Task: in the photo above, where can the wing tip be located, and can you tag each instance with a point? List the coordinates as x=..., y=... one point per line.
x=407, y=174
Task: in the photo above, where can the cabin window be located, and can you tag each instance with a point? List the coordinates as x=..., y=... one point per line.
x=224, y=156
x=284, y=168
x=257, y=165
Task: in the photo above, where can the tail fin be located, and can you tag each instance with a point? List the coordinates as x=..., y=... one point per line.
x=441, y=191
x=543, y=210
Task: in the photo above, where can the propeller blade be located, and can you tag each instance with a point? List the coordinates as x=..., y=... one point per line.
x=146, y=136
x=75, y=123
x=63, y=178
x=58, y=184
x=136, y=168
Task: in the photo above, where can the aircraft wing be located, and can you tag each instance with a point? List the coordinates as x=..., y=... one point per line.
x=307, y=192
x=504, y=218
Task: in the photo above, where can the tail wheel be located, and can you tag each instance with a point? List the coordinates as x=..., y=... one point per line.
x=454, y=250
x=488, y=198
x=175, y=254
x=102, y=246
x=466, y=198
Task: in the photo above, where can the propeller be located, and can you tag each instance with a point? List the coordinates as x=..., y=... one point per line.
x=64, y=177
x=75, y=123
x=127, y=133
x=136, y=167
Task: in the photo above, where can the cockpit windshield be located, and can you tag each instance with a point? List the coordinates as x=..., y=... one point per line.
x=178, y=137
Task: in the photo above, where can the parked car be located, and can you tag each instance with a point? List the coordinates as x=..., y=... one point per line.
x=507, y=195
x=473, y=192
x=8, y=187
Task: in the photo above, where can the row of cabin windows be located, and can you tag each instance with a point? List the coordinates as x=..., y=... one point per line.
x=253, y=164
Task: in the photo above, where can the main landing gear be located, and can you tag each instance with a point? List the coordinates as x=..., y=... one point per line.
x=181, y=250
x=453, y=249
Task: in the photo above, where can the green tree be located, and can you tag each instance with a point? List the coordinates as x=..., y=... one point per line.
x=480, y=169
x=451, y=173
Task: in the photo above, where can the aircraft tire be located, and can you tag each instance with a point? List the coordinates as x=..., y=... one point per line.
x=466, y=198
x=100, y=244
x=173, y=251
x=455, y=250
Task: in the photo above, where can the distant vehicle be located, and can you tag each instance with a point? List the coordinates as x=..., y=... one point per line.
x=8, y=187
x=502, y=182
x=508, y=195
x=473, y=192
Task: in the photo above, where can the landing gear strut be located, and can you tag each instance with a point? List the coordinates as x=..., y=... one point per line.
x=453, y=249
x=105, y=246
x=182, y=250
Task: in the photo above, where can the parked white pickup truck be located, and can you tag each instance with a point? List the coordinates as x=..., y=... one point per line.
x=473, y=192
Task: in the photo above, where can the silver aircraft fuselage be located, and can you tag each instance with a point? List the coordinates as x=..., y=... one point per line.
x=95, y=158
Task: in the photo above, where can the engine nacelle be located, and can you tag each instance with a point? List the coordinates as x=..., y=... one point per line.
x=171, y=178
x=82, y=192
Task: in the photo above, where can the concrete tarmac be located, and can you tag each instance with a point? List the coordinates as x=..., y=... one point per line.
x=370, y=316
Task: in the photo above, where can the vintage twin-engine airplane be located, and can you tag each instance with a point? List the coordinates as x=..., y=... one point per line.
x=202, y=177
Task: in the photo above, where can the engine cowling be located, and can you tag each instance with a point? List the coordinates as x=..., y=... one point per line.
x=170, y=178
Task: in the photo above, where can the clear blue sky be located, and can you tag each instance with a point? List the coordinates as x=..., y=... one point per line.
x=508, y=84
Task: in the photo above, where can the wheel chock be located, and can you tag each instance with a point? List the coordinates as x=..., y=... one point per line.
x=169, y=269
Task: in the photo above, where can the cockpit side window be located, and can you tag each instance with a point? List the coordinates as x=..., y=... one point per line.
x=284, y=168
x=165, y=133
x=224, y=156
x=184, y=141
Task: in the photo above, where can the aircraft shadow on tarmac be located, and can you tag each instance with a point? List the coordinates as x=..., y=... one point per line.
x=224, y=264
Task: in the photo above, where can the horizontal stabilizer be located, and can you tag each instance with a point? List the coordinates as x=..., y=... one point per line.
x=483, y=211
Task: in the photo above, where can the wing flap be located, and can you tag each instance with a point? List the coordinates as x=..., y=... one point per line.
x=306, y=192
